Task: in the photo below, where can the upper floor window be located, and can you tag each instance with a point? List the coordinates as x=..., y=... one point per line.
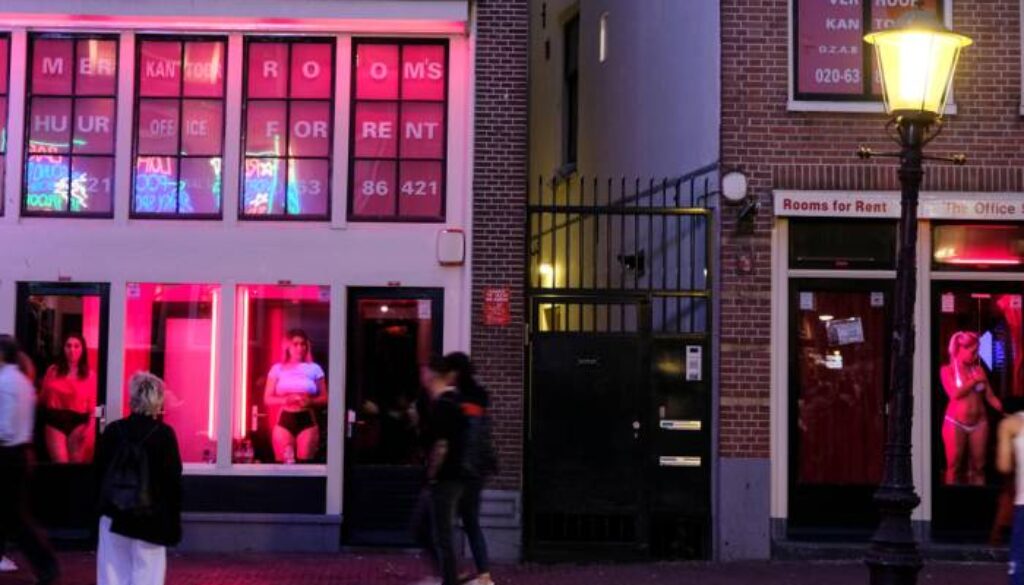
x=179, y=127
x=70, y=117
x=399, y=131
x=289, y=107
x=571, y=80
x=831, y=62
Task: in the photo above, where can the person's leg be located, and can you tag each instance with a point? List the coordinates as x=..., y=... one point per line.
x=1017, y=547
x=113, y=557
x=78, y=444
x=954, y=441
x=282, y=439
x=307, y=443
x=7, y=508
x=56, y=444
x=149, y=563
x=469, y=511
x=445, y=498
x=27, y=534
x=977, y=443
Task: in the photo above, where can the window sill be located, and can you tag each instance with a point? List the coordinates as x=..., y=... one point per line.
x=251, y=470
x=851, y=107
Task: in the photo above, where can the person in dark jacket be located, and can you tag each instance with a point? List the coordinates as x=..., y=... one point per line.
x=132, y=548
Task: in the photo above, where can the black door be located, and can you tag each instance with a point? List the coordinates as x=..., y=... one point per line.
x=62, y=328
x=392, y=333
x=838, y=384
x=586, y=482
x=977, y=335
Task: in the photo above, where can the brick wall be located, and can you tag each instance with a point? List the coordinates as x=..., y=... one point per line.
x=499, y=212
x=799, y=150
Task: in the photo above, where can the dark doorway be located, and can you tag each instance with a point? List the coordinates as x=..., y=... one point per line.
x=70, y=404
x=391, y=334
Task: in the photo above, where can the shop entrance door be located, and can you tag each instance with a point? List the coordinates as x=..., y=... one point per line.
x=392, y=333
x=977, y=336
x=838, y=383
x=52, y=321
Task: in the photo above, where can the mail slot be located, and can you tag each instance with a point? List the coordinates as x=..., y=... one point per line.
x=680, y=425
x=676, y=461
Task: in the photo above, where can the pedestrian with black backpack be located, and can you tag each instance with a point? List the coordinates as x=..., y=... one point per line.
x=140, y=490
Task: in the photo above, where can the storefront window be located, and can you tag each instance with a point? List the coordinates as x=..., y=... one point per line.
x=978, y=247
x=842, y=244
x=179, y=128
x=281, y=402
x=171, y=330
x=70, y=112
x=399, y=131
x=289, y=107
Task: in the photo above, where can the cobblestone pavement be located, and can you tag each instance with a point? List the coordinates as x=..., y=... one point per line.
x=355, y=568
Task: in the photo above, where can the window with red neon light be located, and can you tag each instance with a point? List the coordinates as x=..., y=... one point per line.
x=171, y=330
x=179, y=127
x=71, y=112
x=289, y=108
x=399, y=131
x=5, y=63
x=282, y=371
x=980, y=246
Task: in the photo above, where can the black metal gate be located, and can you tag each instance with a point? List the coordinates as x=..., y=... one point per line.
x=618, y=414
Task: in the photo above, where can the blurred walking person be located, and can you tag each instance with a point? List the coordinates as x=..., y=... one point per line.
x=17, y=417
x=140, y=494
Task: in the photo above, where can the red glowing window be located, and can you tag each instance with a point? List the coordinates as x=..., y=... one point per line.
x=282, y=370
x=978, y=247
x=289, y=109
x=179, y=127
x=171, y=330
x=5, y=42
x=399, y=133
x=70, y=124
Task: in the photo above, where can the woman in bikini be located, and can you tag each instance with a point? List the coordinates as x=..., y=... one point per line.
x=297, y=385
x=68, y=399
x=965, y=429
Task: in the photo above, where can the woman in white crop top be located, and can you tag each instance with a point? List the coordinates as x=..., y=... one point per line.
x=298, y=386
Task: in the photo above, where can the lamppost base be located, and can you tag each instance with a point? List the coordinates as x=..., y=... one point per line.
x=894, y=567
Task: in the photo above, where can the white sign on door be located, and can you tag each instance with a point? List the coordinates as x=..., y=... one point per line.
x=694, y=363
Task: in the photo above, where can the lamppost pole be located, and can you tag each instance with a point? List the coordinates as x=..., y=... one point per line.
x=893, y=558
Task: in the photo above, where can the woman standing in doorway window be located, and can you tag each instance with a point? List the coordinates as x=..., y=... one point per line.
x=298, y=386
x=965, y=428
x=68, y=400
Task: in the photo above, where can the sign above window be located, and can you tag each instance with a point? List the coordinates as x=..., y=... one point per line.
x=881, y=204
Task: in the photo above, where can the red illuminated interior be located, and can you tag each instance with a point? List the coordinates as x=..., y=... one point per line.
x=978, y=245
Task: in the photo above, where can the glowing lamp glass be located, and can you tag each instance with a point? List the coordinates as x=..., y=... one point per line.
x=916, y=60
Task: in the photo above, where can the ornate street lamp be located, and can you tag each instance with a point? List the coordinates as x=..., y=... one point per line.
x=916, y=59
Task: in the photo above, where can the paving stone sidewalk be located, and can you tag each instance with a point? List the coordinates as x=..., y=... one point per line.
x=357, y=568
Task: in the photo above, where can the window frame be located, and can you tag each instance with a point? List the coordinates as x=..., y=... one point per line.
x=73, y=96
x=180, y=98
x=863, y=102
x=400, y=42
x=288, y=100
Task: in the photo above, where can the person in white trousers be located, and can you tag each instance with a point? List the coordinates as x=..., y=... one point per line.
x=133, y=547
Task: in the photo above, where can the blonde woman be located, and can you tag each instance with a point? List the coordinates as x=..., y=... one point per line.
x=965, y=428
x=297, y=385
x=132, y=543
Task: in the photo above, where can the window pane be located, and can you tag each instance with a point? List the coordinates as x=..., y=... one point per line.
x=308, y=186
x=423, y=72
x=310, y=124
x=377, y=72
x=422, y=130
x=421, y=188
x=156, y=184
x=94, y=126
x=160, y=69
x=3, y=124
x=202, y=127
x=96, y=71
x=200, y=185
x=978, y=246
x=842, y=244
x=268, y=70
x=158, y=127
x=4, y=64
x=281, y=400
x=376, y=128
x=49, y=125
x=374, y=188
x=92, y=184
x=312, y=70
x=46, y=183
x=51, y=66
x=264, y=128
x=171, y=330
x=830, y=60
x=204, y=69
x=264, y=187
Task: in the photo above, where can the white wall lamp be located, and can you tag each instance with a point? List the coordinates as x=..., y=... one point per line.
x=734, y=192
